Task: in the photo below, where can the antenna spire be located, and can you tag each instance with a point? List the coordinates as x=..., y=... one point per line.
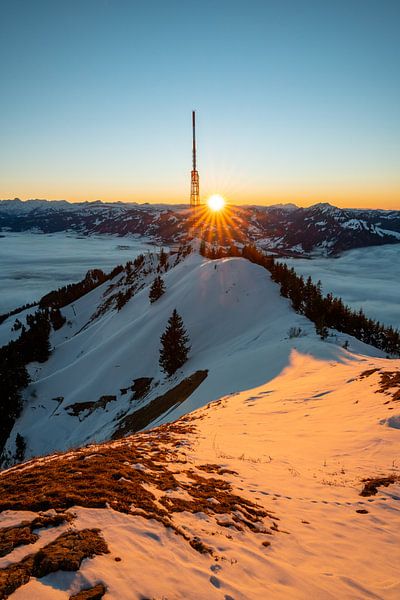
x=194, y=186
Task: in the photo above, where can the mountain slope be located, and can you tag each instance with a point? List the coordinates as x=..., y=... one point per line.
x=270, y=468
x=320, y=229
x=104, y=365
x=255, y=495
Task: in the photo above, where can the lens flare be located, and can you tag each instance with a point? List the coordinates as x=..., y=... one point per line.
x=216, y=202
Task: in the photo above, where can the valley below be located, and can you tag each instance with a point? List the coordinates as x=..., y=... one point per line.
x=33, y=264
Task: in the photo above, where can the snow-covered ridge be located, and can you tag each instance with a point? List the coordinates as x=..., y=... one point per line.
x=239, y=328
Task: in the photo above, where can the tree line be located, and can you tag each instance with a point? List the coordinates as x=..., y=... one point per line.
x=32, y=345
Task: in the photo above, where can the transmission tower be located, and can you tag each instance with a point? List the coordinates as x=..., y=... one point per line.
x=194, y=181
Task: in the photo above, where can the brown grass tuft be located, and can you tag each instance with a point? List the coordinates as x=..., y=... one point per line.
x=143, y=416
x=22, y=534
x=372, y=484
x=123, y=475
x=64, y=553
x=93, y=593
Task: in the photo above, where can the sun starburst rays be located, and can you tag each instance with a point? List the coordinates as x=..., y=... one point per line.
x=221, y=226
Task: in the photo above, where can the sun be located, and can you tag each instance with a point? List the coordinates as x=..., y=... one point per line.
x=216, y=202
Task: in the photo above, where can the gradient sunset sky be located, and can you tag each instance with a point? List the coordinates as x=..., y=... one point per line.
x=297, y=101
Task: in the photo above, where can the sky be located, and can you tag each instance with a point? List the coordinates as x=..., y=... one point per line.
x=296, y=101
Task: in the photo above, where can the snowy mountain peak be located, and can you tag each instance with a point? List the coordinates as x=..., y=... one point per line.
x=103, y=374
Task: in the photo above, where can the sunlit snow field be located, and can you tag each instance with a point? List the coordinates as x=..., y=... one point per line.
x=33, y=264
x=365, y=277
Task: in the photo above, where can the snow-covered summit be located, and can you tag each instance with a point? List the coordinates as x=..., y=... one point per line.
x=239, y=326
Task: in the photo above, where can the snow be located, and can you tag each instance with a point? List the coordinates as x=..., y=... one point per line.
x=382, y=231
x=238, y=332
x=355, y=224
x=300, y=444
x=291, y=416
x=33, y=264
x=367, y=278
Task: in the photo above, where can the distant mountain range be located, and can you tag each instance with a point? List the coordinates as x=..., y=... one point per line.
x=321, y=229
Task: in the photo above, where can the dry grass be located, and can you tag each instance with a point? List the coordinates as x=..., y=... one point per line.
x=76, y=409
x=212, y=468
x=368, y=373
x=93, y=593
x=64, y=553
x=121, y=475
x=23, y=534
x=142, y=417
x=388, y=381
x=372, y=484
x=242, y=511
x=140, y=388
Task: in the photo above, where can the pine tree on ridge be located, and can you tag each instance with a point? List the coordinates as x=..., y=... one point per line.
x=174, y=345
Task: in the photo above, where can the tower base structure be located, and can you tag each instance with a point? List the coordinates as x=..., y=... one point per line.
x=194, y=190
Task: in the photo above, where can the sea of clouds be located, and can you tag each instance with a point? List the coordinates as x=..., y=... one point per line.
x=367, y=278
x=33, y=264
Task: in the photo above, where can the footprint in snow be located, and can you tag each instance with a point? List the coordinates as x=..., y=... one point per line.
x=215, y=581
x=216, y=568
x=321, y=394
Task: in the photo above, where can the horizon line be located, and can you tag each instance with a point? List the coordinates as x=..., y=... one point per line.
x=187, y=204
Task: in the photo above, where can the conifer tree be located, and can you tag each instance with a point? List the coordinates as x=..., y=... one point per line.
x=174, y=345
x=163, y=259
x=157, y=289
x=57, y=319
x=20, y=447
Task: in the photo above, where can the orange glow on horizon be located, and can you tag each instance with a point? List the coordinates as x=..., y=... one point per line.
x=388, y=199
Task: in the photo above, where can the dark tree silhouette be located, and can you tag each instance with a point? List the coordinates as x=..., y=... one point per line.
x=57, y=319
x=174, y=345
x=73, y=291
x=157, y=289
x=20, y=447
x=163, y=259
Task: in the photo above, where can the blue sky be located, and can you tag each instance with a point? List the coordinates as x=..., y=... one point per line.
x=296, y=101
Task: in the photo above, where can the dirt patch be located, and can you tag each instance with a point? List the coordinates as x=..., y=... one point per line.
x=65, y=553
x=23, y=534
x=140, y=388
x=157, y=407
x=390, y=380
x=372, y=484
x=212, y=468
x=93, y=593
x=74, y=410
x=368, y=373
x=215, y=496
